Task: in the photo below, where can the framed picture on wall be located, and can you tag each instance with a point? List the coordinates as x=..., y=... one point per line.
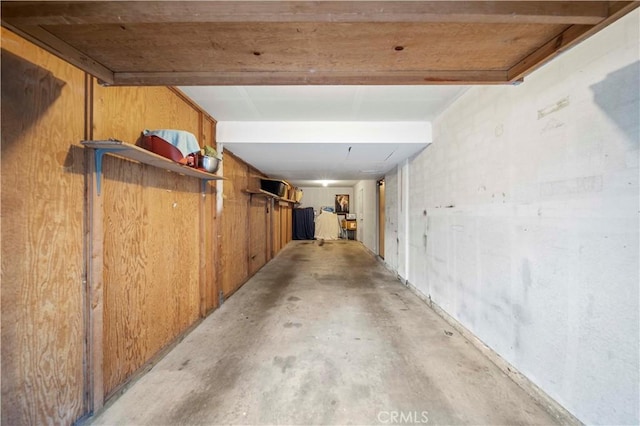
x=342, y=203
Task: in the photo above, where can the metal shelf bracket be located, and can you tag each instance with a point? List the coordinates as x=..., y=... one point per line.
x=99, y=153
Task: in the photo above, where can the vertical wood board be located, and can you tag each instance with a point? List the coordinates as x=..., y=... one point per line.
x=258, y=232
x=211, y=224
x=276, y=234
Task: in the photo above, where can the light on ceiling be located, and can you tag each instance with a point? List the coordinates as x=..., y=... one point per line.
x=325, y=183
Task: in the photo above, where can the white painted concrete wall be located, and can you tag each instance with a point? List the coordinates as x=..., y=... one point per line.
x=391, y=215
x=366, y=209
x=523, y=223
x=317, y=197
x=397, y=232
x=402, y=220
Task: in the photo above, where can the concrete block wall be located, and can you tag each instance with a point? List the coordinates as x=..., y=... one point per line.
x=521, y=222
x=391, y=220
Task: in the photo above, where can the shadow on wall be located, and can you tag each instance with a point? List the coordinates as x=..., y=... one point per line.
x=617, y=96
x=28, y=91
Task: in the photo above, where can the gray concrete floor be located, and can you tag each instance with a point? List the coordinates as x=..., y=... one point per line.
x=324, y=334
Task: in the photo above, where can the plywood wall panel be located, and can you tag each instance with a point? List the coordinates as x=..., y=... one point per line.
x=151, y=233
x=275, y=231
x=166, y=254
x=42, y=236
x=290, y=223
x=258, y=232
x=235, y=232
x=283, y=224
x=123, y=112
x=286, y=229
x=208, y=136
x=259, y=224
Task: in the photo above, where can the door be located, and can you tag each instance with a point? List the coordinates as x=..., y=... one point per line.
x=359, y=233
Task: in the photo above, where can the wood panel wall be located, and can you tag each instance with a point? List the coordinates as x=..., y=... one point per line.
x=259, y=216
x=235, y=233
x=259, y=220
x=276, y=240
x=151, y=232
x=286, y=225
x=248, y=225
x=165, y=252
x=43, y=331
x=282, y=227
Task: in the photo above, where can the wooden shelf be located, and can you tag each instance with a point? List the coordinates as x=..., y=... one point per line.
x=260, y=192
x=132, y=152
x=267, y=194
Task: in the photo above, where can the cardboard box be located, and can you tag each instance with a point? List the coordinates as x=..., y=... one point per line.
x=350, y=225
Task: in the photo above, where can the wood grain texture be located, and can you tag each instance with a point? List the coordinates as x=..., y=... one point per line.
x=286, y=226
x=282, y=226
x=578, y=12
x=289, y=230
x=276, y=238
x=293, y=42
x=291, y=47
x=568, y=38
x=151, y=226
x=245, y=224
x=235, y=234
x=311, y=77
x=259, y=233
x=270, y=227
x=42, y=236
x=159, y=255
x=258, y=223
x=46, y=40
x=94, y=317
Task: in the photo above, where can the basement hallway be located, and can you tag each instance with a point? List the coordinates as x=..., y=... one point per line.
x=324, y=334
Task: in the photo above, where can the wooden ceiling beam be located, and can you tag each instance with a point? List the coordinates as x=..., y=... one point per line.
x=53, y=44
x=570, y=37
x=109, y=12
x=52, y=25
x=275, y=78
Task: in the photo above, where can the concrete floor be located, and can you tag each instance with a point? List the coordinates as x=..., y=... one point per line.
x=324, y=334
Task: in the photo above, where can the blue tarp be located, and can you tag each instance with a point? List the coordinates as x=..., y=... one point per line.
x=304, y=226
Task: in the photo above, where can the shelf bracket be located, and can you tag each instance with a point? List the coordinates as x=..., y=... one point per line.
x=99, y=153
x=204, y=184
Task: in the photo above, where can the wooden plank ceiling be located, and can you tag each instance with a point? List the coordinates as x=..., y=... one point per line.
x=309, y=42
